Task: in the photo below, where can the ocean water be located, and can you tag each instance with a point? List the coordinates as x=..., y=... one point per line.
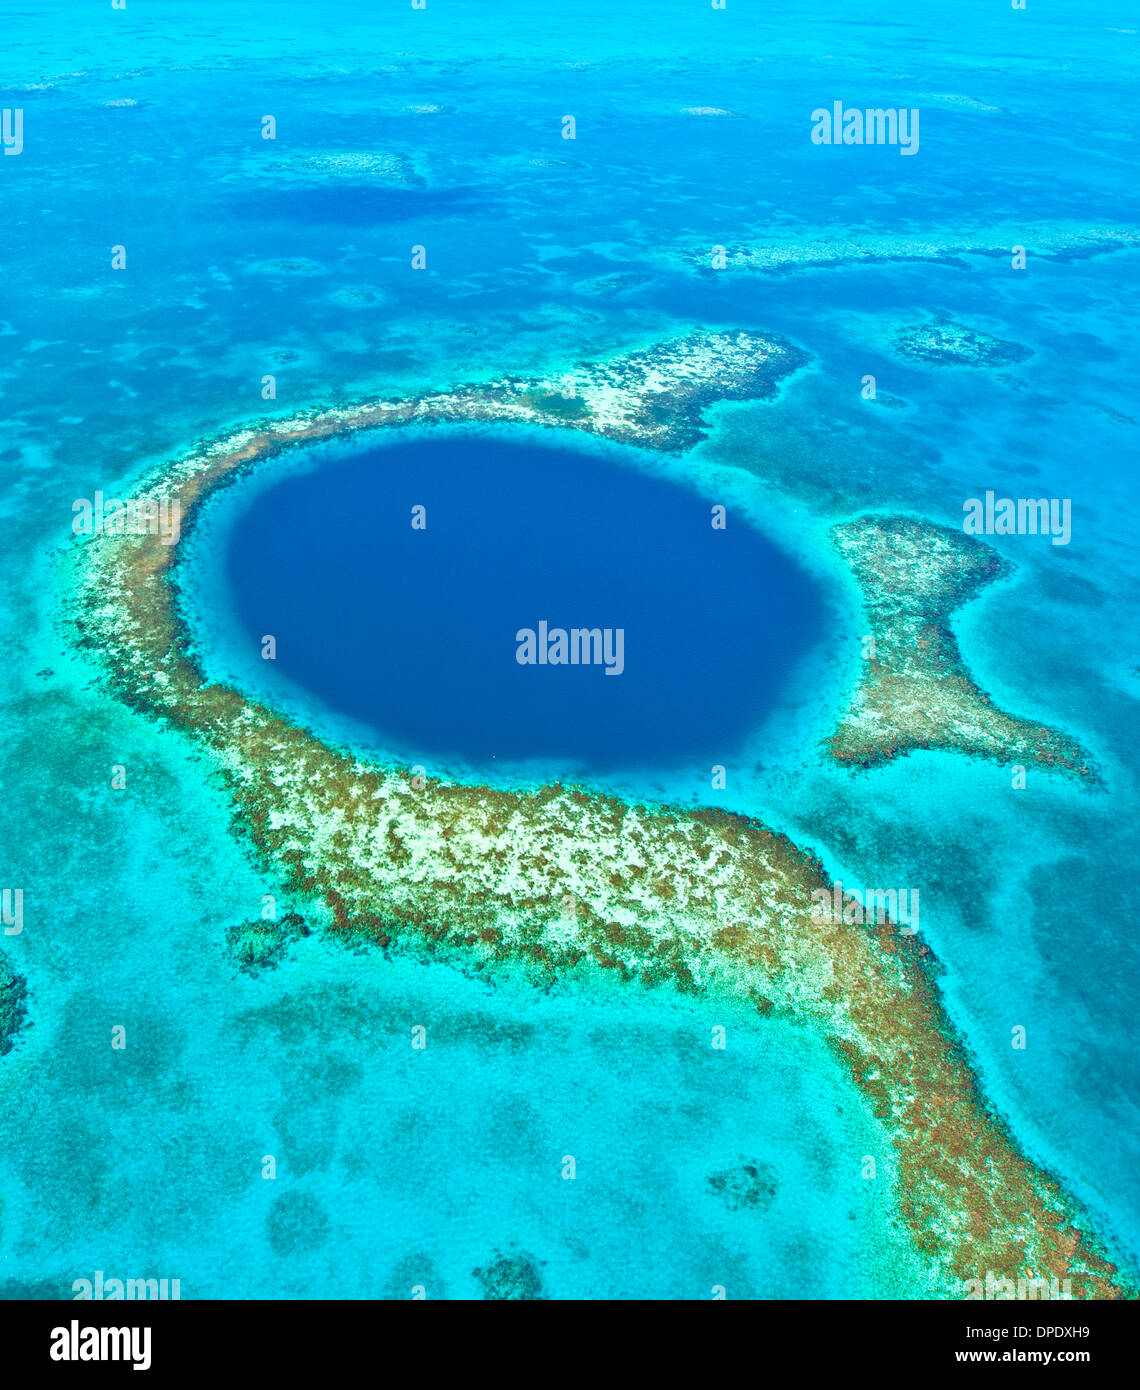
x=395, y=581
x=292, y=258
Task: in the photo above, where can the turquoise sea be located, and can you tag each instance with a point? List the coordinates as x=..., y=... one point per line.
x=442, y=128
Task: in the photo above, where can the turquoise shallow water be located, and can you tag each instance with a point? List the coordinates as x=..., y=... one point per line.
x=397, y=1167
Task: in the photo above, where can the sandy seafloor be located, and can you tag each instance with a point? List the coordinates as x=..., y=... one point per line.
x=399, y=1168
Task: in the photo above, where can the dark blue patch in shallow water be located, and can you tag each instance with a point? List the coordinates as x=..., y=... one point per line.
x=353, y=206
x=413, y=633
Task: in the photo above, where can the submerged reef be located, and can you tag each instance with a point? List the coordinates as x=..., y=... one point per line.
x=606, y=286
x=816, y=248
x=562, y=880
x=513, y=1277
x=296, y=1223
x=13, y=1006
x=750, y=1186
x=260, y=944
x=415, y=1276
x=311, y=169
x=915, y=691
x=955, y=344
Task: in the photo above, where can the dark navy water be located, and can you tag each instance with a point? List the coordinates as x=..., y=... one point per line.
x=412, y=632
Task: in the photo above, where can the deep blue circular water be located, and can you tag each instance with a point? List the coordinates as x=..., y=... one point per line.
x=414, y=632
